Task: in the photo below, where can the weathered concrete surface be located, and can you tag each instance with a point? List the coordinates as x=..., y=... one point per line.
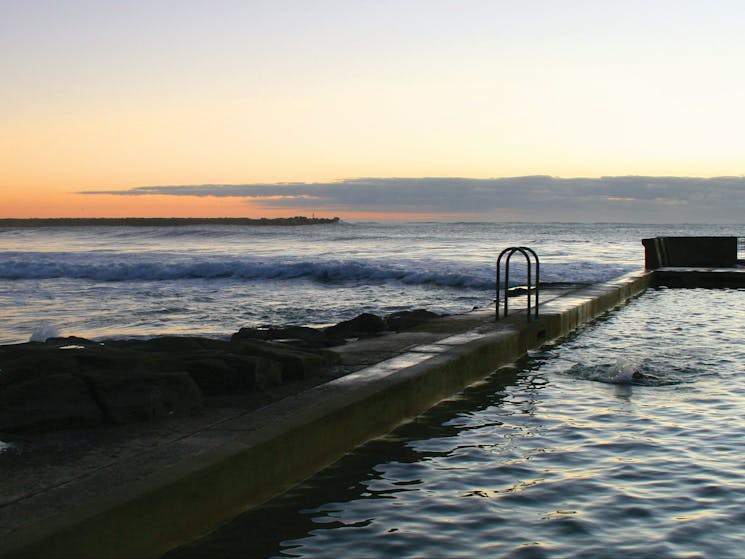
x=150, y=491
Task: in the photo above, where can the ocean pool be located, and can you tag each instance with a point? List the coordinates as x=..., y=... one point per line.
x=566, y=454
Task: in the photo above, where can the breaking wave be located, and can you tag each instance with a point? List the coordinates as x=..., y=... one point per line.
x=162, y=267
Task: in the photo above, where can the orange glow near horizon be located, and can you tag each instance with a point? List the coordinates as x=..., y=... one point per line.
x=78, y=205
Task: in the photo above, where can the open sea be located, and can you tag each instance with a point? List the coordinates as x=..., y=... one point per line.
x=107, y=281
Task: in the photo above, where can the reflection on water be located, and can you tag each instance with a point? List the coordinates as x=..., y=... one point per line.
x=542, y=460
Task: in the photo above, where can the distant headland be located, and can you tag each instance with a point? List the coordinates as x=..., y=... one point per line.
x=163, y=221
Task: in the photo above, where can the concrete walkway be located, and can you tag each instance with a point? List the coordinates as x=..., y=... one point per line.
x=140, y=491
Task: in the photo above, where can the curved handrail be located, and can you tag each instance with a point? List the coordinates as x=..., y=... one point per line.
x=527, y=253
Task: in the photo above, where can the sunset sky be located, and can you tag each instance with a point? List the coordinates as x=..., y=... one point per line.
x=373, y=108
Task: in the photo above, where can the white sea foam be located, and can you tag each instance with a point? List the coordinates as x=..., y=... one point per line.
x=164, y=267
x=627, y=370
x=618, y=372
x=43, y=332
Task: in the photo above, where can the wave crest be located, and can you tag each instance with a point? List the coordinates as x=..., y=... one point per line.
x=164, y=267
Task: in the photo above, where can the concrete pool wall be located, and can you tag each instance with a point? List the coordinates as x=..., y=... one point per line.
x=212, y=474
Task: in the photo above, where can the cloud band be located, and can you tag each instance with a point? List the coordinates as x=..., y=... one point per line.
x=529, y=198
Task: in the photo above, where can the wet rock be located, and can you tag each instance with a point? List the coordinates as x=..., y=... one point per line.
x=299, y=336
x=33, y=365
x=519, y=291
x=70, y=341
x=266, y=372
x=404, y=320
x=98, y=358
x=232, y=374
x=302, y=336
x=248, y=333
x=296, y=364
x=171, y=344
x=297, y=333
x=365, y=324
x=55, y=401
x=71, y=382
x=131, y=397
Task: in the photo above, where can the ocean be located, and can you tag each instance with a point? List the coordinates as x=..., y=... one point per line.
x=104, y=282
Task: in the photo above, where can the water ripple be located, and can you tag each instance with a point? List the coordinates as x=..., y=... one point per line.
x=546, y=462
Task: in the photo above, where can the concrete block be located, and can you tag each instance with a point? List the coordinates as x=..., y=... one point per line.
x=714, y=252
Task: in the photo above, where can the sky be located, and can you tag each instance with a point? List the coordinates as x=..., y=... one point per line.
x=579, y=110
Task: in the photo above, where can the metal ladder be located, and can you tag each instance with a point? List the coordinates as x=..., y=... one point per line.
x=528, y=253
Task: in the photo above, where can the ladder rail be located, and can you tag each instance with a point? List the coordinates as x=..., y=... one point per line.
x=527, y=253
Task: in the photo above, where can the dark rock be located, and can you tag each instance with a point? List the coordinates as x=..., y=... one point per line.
x=71, y=341
x=251, y=334
x=234, y=373
x=519, y=291
x=174, y=344
x=311, y=336
x=33, y=363
x=130, y=397
x=98, y=358
x=72, y=382
x=214, y=376
x=408, y=319
x=56, y=401
x=266, y=372
x=297, y=332
x=302, y=336
x=365, y=324
x=314, y=344
x=296, y=363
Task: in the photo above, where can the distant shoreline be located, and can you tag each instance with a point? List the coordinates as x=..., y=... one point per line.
x=162, y=221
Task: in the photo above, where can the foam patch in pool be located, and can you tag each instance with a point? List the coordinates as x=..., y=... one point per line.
x=625, y=371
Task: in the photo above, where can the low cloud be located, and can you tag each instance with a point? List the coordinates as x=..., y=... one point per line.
x=531, y=198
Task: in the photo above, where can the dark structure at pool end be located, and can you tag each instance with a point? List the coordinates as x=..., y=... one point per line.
x=684, y=252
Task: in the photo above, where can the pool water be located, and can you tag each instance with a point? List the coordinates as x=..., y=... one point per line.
x=566, y=454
